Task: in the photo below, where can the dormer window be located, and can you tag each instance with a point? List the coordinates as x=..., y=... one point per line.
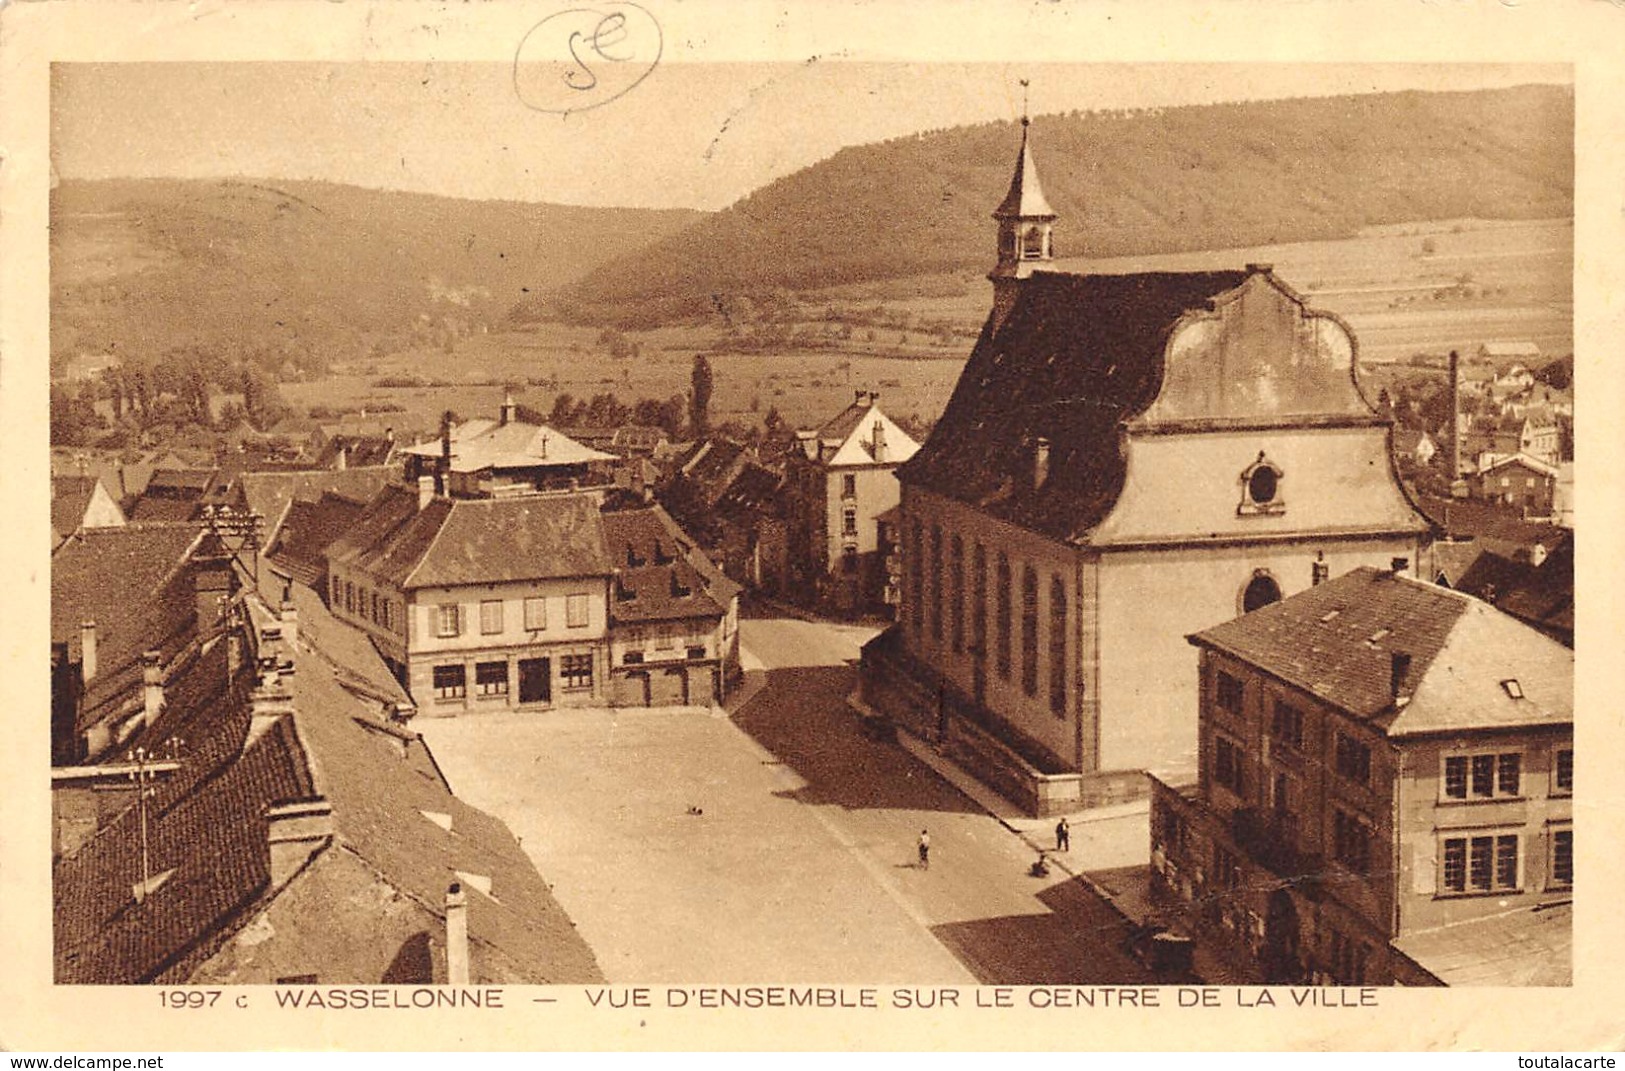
x=1261, y=488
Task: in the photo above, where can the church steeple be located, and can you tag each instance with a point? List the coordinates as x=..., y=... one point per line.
x=1025, y=220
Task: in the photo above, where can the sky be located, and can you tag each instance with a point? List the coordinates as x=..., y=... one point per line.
x=687, y=135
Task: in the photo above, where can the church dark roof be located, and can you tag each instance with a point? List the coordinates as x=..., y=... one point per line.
x=1077, y=355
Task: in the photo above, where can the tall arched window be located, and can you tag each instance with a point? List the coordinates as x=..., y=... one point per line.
x=936, y=582
x=1029, y=630
x=1003, y=594
x=978, y=606
x=956, y=591
x=1057, y=646
x=916, y=576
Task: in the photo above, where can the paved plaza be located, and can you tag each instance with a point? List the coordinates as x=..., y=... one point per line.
x=800, y=866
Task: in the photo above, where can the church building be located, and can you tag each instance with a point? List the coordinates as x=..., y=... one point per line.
x=1125, y=460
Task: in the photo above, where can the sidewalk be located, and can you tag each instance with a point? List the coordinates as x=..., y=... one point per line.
x=1115, y=841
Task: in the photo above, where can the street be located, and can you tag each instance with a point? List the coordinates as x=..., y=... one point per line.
x=800, y=865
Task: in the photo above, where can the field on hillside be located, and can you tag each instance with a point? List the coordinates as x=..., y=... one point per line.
x=1419, y=288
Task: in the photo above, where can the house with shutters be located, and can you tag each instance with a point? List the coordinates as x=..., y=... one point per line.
x=480, y=603
x=840, y=480
x=1125, y=459
x=1385, y=792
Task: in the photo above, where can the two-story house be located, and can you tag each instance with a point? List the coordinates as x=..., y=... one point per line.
x=842, y=479
x=480, y=603
x=1525, y=483
x=1384, y=794
x=673, y=616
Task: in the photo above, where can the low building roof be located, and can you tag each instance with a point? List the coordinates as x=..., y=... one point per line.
x=1533, y=464
x=1510, y=349
x=482, y=444
x=99, y=574
x=270, y=493
x=450, y=542
x=1338, y=641
x=307, y=530
x=1524, y=947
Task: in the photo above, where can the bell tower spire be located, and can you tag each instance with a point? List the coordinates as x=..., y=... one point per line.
x=1025, y=220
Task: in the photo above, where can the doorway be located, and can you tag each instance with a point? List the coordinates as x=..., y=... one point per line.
x=535, y=680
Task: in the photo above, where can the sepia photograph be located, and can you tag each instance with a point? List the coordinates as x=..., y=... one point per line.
x=817, y=532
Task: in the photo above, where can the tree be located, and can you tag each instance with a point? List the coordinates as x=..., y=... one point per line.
x=700, y=398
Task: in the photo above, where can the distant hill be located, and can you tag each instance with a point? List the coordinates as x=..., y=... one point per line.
x=1166, y=180
x=235, y=266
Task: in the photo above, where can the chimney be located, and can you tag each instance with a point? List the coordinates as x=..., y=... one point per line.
x=425, y=490
x=289, y=616
x=860, y=397
x=295, y=831
x=211, y=583
x=1455, y=420
x=1399, y=565
x=1260, y=268
x=1399, y=665
x=87, y=651
x=341, y=461
x=1537, y=555
x=1040, y=462
x=442, y=474
x=152, y=687
x=509, y=411
x=1319, y=570
x=389, y=435
x=456, y=935
x=877, y=445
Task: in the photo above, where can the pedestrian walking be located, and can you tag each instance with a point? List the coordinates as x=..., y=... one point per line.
x=1063, y=836
x=925, y=850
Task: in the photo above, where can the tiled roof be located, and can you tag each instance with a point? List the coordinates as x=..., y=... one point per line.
x=485, y=444
x=182, y=480
x=70, y=498
x=101, y=573
x=207, y=824
x=659, y=575
x=378, y=804
x=1077, y=355
x=451, y=542
x=162, y=620
x=354, y=661
x=853, y=429
x=269, y=493
x=307, y=529
x=1539, y=595
x=1337, y=641
x=714, y=463
x=1523, y=947
x=149, y=508
x=755, y=490
x=362, y=450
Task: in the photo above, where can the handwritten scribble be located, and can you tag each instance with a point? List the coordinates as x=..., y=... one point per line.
x=586, y=57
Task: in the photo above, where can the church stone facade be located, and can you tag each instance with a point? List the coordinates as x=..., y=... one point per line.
x=1126, y=459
